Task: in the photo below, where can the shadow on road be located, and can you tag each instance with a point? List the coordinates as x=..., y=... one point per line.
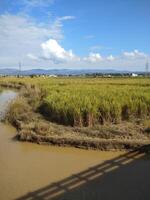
x=126, y=177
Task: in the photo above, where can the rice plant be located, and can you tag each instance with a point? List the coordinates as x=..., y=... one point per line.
x=81, y=101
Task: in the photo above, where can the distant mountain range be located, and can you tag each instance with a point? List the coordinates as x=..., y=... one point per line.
x=60, y=71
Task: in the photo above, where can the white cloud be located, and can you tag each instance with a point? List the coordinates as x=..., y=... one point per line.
x=36, y=3
x=67, y=17
x=97, y=58
x=22, y=30
x=110, y=58
x=93, y=57
x=21, y=35
x=32, y=57
x=58, y=23
x=99, y=47
x=54, y=52
x=95, y=48
x=136, y=53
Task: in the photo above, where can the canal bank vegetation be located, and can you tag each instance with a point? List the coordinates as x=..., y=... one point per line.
x=98, y=113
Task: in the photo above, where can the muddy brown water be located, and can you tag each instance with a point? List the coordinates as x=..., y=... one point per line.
x=30, y=171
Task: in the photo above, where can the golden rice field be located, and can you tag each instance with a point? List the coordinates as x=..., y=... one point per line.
x=90, y=101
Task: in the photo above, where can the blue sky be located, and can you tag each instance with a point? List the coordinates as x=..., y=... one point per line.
x=77, y=34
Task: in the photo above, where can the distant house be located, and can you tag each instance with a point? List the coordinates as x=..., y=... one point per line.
x=52, y=75
x=134, y=75
x=109, y=76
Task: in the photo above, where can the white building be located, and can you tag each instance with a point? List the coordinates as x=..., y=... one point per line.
x=134, y=75
x=52, y=75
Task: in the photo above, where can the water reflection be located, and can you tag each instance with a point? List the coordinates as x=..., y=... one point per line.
x=6, y=96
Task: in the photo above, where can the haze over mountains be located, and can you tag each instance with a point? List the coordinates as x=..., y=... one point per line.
x=8, y=71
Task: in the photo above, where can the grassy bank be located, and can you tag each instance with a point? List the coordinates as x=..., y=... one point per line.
x=93, y=113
